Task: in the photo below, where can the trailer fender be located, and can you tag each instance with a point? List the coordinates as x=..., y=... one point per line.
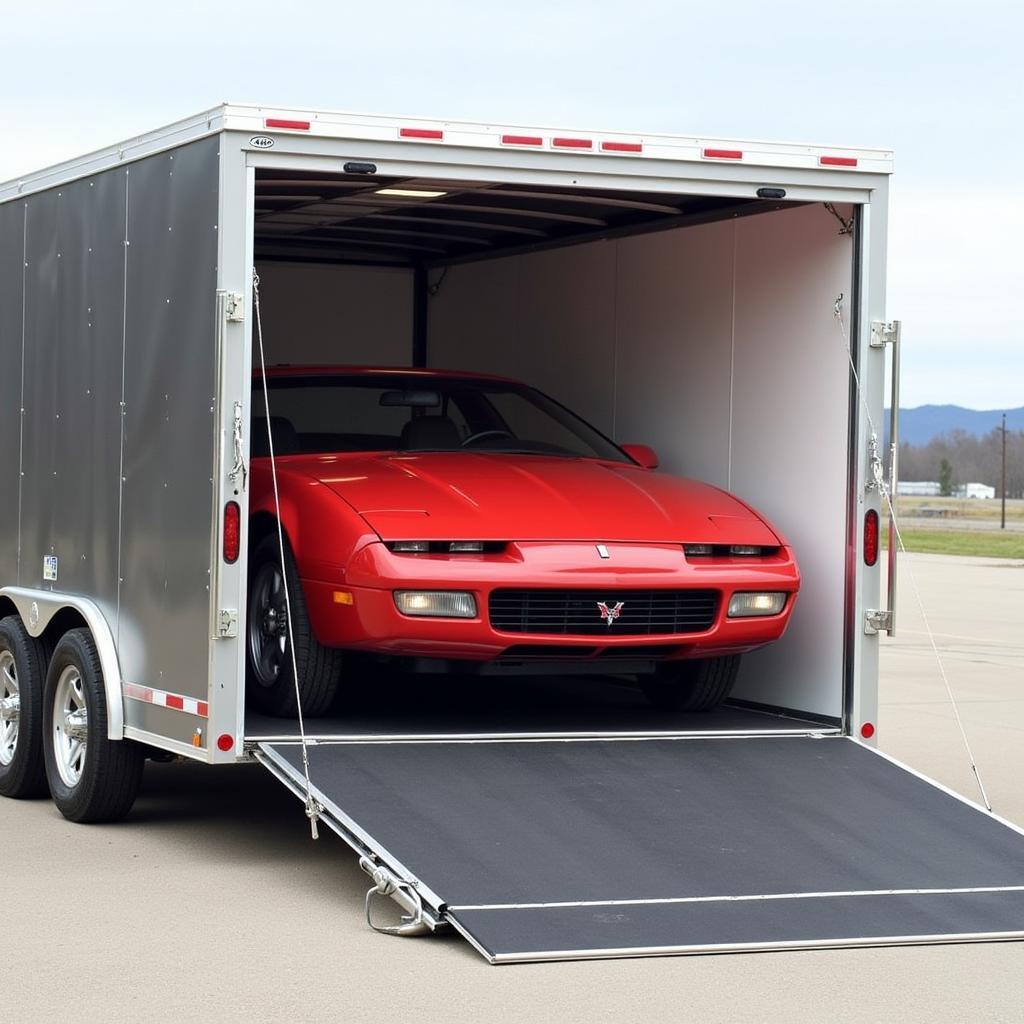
x=38, y=608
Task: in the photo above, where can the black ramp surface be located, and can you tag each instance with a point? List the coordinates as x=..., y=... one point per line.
x=488, y=823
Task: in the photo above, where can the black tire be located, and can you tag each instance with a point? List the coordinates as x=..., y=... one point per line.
x=23, y=663
x=110, y=771
x=270, y=681
x=696, y=685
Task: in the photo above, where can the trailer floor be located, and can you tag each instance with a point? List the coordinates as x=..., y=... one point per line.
x=446, y=706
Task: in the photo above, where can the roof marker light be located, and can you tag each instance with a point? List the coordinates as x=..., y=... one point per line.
x=278, y=122
x=837, y=161
x=723, y=154
x=622, y=147
x=420, y=133
x=572, y=143
x=522, y=140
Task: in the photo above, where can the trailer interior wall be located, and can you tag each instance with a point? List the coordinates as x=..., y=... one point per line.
x=717, y=345
x=323, y=314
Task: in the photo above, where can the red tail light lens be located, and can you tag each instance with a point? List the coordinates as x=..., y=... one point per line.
x=232, y=532
x=870, y=537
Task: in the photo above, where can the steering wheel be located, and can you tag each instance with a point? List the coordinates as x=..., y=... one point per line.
x=486, y=433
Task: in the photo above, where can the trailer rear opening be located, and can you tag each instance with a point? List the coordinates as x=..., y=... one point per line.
x=721, y=301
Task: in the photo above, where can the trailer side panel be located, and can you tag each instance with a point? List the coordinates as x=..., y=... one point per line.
x=170, y=384
x=12, y=262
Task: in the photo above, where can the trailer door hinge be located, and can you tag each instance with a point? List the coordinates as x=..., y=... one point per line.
x=884, y=332
x=227, y=623
x=234, y=307
x=877, y=621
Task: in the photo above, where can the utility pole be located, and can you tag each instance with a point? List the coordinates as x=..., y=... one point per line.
x=1002, y=523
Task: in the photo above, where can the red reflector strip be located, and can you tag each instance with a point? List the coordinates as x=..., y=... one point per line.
x=870, y=537
x=723, y=154
x=837, y=161
x=572, y=143
x=295, y=126
x=161, y=699
x=420, y=133
x=522, y=140
x=622, y=147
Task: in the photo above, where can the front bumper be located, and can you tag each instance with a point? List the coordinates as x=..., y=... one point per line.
x=370, y=621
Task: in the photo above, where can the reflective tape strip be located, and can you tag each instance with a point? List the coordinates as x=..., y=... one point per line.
x=162, y=699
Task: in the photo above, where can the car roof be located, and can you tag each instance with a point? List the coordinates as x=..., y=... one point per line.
x=292, y=370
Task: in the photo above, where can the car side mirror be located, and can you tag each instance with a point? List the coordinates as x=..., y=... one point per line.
x=644, y=454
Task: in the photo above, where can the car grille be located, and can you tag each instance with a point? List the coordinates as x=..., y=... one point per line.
x=576, y=612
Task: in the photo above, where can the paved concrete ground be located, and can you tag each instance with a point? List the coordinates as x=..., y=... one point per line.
x=211, y=904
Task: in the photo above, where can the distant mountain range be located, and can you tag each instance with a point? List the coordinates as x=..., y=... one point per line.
x=921, y=424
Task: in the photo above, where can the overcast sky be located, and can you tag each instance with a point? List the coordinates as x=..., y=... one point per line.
x=939, y=82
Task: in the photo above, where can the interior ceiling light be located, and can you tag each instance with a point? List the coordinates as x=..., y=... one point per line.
x=410, y=193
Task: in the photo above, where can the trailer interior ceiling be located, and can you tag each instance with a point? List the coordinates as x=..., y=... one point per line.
x=700, y=325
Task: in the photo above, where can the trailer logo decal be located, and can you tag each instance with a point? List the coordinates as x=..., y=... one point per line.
x=610, y=612
x=261, y=142
x=50, y=568
x=162, y=699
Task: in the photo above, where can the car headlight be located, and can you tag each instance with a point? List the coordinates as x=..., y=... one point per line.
x=440, y=604
x=745, y=606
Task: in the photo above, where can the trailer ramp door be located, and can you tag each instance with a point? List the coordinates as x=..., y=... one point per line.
x=585, y=848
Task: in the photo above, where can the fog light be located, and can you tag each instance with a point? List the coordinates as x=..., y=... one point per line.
x=441, y=604
x=748, y=605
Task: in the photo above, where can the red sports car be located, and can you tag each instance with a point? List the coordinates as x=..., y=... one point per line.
x=460, y=522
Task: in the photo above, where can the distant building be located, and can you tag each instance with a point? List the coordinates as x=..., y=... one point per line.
x=918, y=488
x=975, y=491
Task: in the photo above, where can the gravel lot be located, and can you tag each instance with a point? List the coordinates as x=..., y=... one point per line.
x=210, y=902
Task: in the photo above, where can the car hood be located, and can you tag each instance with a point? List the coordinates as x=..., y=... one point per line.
x=479, y=496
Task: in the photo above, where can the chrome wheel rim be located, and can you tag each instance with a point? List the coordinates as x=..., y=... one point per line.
x=70, y=726
x=10, y=707
x=268, y=625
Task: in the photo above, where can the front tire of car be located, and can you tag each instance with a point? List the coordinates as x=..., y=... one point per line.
x=270, y=679
x=695, y=685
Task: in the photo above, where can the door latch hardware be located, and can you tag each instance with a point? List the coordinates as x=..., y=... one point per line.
x=877, y=621
x=227, y=623
x=234, y=307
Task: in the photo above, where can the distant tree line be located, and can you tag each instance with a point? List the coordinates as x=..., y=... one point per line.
x=959, y=458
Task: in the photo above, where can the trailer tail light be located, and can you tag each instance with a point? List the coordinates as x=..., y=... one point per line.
x=870, y=537
x=867, y=730
x=232, y=532
x=723, y=154
x=420, y=133
x=225, y=742
x=837, y=161
x=294, y=126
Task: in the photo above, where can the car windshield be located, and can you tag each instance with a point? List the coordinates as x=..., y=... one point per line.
x=418, y=413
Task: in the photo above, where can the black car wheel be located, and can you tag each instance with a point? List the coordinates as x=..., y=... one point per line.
x=696, y=685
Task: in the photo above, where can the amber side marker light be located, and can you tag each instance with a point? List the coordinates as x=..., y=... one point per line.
x=343, y=597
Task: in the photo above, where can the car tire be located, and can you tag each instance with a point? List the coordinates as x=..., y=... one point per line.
x=22, y=672
x=92, y=778
x=270, y=682
x=695, y=685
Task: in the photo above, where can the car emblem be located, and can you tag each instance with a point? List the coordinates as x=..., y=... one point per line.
x=602, y=551
x=610, y=612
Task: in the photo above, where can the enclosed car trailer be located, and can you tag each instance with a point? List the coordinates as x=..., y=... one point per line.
x=723, y=301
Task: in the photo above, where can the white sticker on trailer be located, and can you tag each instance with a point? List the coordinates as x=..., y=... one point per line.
x=50, y=568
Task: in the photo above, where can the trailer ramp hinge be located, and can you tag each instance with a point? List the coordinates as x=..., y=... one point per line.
x=884, y=332
x=227, y=623
x=402, y=892
x=234, y=307
x=877, y=621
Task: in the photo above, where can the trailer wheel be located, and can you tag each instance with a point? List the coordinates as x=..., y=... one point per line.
x=696, y=685
x=22, y=668
x=92, y=778
x=269, y=676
